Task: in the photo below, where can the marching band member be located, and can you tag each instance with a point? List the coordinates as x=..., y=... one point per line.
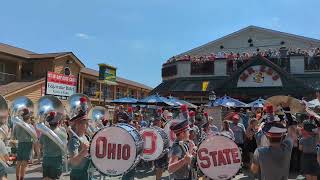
x=238, y=130
x=161, y=163
x=273, y=161
x=52, y=154
x=4, y=157
x=225, y=130
x=25, y=142
x=307, y=145
x=180, y=156
x=78, y=149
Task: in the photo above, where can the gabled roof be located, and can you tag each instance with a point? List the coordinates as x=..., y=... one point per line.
x=18, y=86
x=29, y=55
x=249, y=28
x=95, y=73
x=14, y=50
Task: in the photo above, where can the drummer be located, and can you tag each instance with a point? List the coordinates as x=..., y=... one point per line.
x=161, y=163
x=78, y=149
x=273, y=161
x=180, y=157
x=52, y=154
x=25, y=142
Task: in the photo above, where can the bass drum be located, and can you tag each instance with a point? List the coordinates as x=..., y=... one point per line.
x=171, y=135
x=116, y=150
x=218, y=157
x=156, y=143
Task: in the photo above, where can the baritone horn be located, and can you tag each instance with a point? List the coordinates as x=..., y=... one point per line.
x=51, y=104
x=20, y=108
x=4, y=114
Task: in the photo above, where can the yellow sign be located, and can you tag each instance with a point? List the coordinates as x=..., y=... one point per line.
x=205, y=85
x=107, y=73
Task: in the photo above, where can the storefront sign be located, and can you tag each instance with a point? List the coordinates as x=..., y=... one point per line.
x=259, y=76
x=61, y=85
x=107, y=73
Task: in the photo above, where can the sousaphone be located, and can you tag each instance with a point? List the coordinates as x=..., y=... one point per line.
x=97, y=115
x=17, y=108
x=296, y=106
x=80, y=103
x=46, y=105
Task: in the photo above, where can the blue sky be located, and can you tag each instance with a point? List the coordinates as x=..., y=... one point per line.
x=137, y=36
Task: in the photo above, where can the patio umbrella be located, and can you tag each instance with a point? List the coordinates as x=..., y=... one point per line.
x=227, y=101
x=125, y=100
x=180, y=102
x=259, y=103
x=156, y=100
x=313, y=103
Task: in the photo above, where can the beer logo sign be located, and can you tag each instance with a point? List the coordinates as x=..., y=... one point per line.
x=259, y=76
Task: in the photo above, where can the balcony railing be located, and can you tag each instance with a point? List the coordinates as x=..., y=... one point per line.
x=6, y=78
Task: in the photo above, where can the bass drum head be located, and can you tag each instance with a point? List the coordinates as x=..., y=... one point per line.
x=218, y=157
x=171, y=135
x=155, y=143
x=114, y=151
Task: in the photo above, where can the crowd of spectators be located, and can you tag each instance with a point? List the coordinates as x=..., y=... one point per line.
x=277, y=56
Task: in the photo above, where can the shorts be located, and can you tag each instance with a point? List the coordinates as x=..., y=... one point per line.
x=52, y=167
x=309, y=164
x=79, y=174
x=24, y=151
x=162, y=162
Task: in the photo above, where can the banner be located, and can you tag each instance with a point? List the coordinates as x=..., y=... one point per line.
x=60, y=85
x=205, y=85
x=107, y=73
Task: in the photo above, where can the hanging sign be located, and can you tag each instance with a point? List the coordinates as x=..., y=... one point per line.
x=259, y=76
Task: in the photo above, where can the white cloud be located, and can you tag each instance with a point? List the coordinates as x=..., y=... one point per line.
x=83, y=36
x=275, y=23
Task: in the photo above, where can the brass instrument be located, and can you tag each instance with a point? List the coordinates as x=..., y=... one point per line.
x=79, y=103
x=17, y=107
x=46, y=105
x=97, y=114
x=278, y=101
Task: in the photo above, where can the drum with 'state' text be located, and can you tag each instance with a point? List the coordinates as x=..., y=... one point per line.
x=218, y=157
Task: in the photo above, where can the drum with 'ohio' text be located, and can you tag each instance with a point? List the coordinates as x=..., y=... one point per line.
x=156, y=143
x=116, y=149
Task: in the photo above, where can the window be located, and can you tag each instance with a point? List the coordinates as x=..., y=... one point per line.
x=169, y=71
x=67, y=71
x=2, y=72
x=202, y=68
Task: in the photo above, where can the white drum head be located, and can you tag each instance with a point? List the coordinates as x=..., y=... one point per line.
x=218, y=157
x=153, y=144
x=113, y=151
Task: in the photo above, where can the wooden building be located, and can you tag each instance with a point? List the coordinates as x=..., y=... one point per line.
x=23, y=73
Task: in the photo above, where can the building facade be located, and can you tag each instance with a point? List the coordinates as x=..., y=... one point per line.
x=23, y=73
x=250, y=63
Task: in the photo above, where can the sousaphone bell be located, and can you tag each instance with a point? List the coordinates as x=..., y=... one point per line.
x=18, y=107
x=46, y=105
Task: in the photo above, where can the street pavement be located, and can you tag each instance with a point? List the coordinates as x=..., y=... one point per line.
x=35, y=173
